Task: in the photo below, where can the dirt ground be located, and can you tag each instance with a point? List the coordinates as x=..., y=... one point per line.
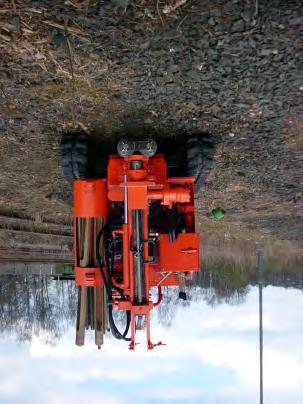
x=229, y=68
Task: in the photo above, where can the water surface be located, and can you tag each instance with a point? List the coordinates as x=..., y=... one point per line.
x=211, y=353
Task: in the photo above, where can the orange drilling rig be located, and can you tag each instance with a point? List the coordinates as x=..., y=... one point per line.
x=134, y=226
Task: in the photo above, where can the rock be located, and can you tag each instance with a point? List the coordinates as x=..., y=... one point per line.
x=267, y=52
x=252, y=43
x=219, y=28
x=213, y=54
x=211, y=22
x=194, y=75
x=204, y=42
x=226, y=61
x=145, y=45
x=169, y=78
x=247, y=15
x=296, y=21
x=237, y=26
x=174, y=68
x=16, y=22
x=57, y=37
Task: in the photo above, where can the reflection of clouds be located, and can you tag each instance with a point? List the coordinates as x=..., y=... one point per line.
x=212, y=355
x=174, y=395
x=229, y=338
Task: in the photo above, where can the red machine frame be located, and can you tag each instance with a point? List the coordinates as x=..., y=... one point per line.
x=136, y=182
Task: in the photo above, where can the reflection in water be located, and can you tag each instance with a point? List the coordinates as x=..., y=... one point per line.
x=36, y=305
x=211, y=352
x=32, y=304
x=91, y=313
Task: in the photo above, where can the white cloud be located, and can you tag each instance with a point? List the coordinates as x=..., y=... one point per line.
x=201, y=340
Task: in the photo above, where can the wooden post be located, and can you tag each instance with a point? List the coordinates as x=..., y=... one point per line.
x=260, y=283
x=81, y=315
x=105, y=323
x=99, y=315
x=92, y=305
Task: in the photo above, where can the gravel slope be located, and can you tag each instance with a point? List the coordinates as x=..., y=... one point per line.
x=209, y=66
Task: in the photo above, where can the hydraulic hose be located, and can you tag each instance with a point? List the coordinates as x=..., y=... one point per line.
x=100, y=266
x=109, y=288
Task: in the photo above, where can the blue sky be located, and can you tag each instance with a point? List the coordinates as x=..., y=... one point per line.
x=211, y=356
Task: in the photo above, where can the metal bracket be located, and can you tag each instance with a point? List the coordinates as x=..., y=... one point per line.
x=126, y=147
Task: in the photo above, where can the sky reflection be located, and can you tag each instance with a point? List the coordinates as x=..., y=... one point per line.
x=211, y=356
